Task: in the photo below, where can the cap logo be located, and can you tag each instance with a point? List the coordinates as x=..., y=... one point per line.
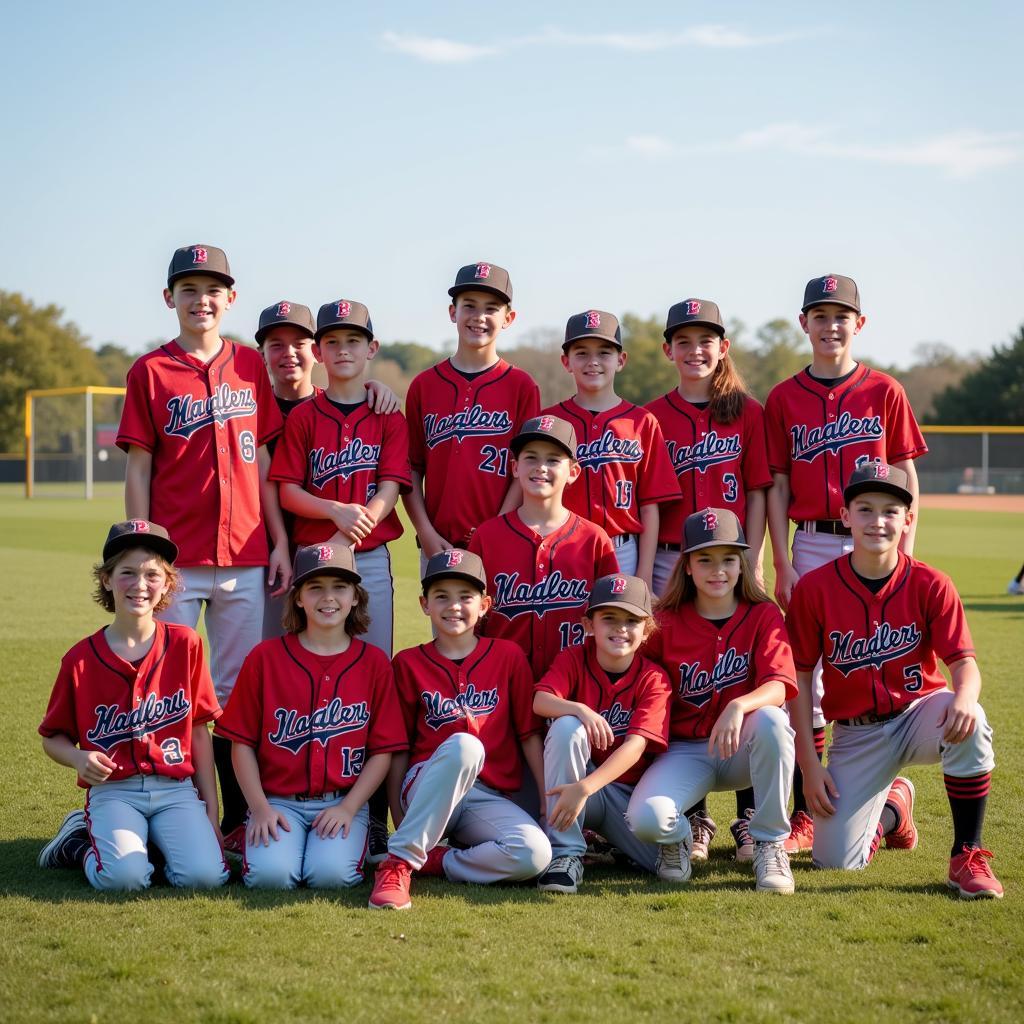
x=138, y=525
x=692, y=307
x=483, y=271
x=324, y=553
x=454, y=558
x=199, y=255
x=546, y=422
x=283, y=309
x=830, y=284
x=710, y=521
x=344, y=310
x=881, y=471
x=619, y=585
x=593, y=320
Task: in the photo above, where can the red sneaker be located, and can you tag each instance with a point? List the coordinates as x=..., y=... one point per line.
x=801, y=833
x=234, y=841
x=433, y=868
x=901, y=796
x=971, y=876
x=391, y=886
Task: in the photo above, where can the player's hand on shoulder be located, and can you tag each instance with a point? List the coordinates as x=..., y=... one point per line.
x=725, y=734
x=960, y=719
x=332, y=820
x=263, y=825
x=572, y=798
x=786, y=579
x=818, y=787
x=95, y=767
x=599, y=732
x=380, y=398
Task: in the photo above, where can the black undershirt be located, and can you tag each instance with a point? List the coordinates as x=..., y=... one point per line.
x=874, y=586
x=833, y=382
x=346, y=408
x=472, y=374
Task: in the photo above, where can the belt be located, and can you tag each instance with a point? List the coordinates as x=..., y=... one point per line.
x=331, y=794
x=871, y=719
x=833, y=526
x=622, y=538
x=670, y=547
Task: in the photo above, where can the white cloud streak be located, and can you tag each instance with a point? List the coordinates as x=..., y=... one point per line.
x=434, y=50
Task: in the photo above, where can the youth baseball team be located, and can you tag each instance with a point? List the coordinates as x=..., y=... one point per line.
x=592, y=576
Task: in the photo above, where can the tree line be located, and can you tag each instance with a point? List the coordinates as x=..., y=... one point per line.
x=39, y=348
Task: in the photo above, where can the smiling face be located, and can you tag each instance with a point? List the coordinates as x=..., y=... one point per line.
x=696, y=352
x=138, y=583
x=455, y=606
x=327, y=601
x=593, y=363
x=199, y=302
x=288, y=353
x=831, y=329
x=544, y=469
x=617, y=633
x=479, y=318
x=877, y=521
x=715, y=571
x=345, y=353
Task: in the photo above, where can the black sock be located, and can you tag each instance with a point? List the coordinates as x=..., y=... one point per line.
x=799, y=803
x=967, y=798
x=700, y=805
x=744, y=801
x=233, y=802
x=890, y=820
x=377, y=805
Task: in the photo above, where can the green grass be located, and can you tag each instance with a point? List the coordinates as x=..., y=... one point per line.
x=888, y=943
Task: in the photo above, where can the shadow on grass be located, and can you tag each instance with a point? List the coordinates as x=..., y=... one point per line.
x=987, y=603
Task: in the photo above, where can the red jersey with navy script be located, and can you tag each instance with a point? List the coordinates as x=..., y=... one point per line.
x=716, y=464
x=489, y=695
x=313, y=720
x=139, y=716
x=624, y=465
x=710, y=665
x=878, y=651
x=459, y=433
x=342, y=458
x=203, y=423
x=540, y=585
x=635, y=705
x=819, y=434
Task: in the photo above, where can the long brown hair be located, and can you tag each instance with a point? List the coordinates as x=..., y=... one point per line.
x=682, y=590
x=356, y=622
x=728, y=392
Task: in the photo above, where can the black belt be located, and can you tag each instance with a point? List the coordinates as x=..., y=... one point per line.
x=622, y=538
x=871, y=719
x=331, y=794
x=670, y=547
x=833, y=526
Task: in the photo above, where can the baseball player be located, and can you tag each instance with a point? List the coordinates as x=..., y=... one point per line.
x=714, y=432
x=610, y=718
x=466, y=701
x=878, y=619
x=129, y=713
x=462, y=414
x=821, y=424
x=197, y=418
x=541, y=558
x=314, y=722
x=625, y=470
x=724, y=645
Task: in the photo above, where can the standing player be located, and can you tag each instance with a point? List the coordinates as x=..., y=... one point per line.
x=625, y=471
x=467, y=710
x=129, y=712
x=313, y=722
x=723, y=643
x=823, y=423
x=462, y=414
x=610, y=711
x=714, y=432
x=197, y=418
x=879, y=619
x=542, y=559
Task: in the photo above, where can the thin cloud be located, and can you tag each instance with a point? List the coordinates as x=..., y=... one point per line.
x=653, y=146
x=434, y=50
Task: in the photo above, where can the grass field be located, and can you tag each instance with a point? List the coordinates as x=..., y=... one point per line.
x=888, y=943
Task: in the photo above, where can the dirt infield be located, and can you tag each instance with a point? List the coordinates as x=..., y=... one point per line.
x=975, y=502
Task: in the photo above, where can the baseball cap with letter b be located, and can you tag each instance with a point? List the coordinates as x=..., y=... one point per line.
x=324, y=560
x=199, y=259
x=701, y=312
x=593, y=323
x=284, y=312
x=546, y=428
x=877, y=476
x=457, y=564
x=139, y=533
x=483, y=277
x=712, y=527
x=629, y=593
x=342, y=313
x=840, y=291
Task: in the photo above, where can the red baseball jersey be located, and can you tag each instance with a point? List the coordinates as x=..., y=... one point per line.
x=490, y=695
x=313, y=719
x=625, y=465
x=879, y=650
x=710, y=666
x=342, y=458
x=139, y=716
x=819, y=434
x=540, y=585
x=635, y=705
x=202, y=423
x=459, y=433
x=716, y=464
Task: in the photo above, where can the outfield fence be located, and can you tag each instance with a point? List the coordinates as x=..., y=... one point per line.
x=972, y=460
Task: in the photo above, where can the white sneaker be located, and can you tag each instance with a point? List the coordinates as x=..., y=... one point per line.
x=563, y=874
x=1013, y=587
x=771, y=868
x=673, y=863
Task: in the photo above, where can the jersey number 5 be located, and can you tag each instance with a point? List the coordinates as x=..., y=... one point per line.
x=914, y=678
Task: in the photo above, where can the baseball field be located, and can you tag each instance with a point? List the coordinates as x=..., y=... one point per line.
x=887, y=943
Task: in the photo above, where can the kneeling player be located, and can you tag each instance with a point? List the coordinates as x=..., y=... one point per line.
x=878, y=619
x=466, y=701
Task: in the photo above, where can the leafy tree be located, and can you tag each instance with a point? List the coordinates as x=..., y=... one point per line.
x=648, y=373
x=991, y=394
x=113, y=363
x=539, y=354
x=779, y=351
x=411, y=356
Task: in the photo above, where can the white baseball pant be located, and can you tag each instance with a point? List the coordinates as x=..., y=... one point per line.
x=664, y=565
x=375, y=569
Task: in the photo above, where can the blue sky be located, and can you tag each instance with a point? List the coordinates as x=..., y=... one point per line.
x=612, y=156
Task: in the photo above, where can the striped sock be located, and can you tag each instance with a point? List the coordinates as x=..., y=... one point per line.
x=967, y=798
